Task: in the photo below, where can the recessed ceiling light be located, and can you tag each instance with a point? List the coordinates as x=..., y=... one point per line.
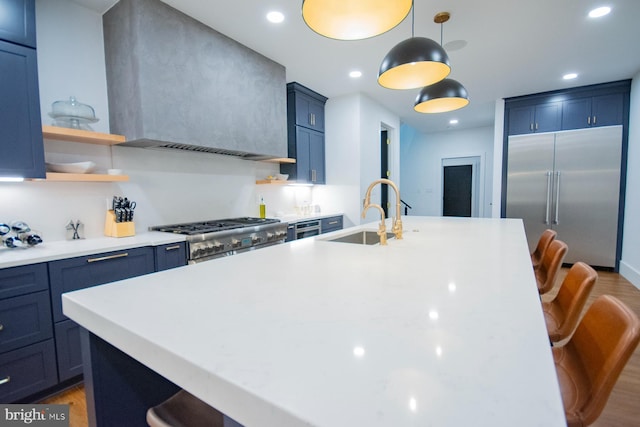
x=453, y=121
x=599, y=12
x=355, y=74
x=275, y=17
x=570, y=76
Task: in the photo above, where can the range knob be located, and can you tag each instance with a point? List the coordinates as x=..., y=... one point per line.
x=217, y=246
x=235, y=243
x=256, y=239
x=270, y=236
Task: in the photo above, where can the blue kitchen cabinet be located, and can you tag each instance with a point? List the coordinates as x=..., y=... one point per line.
x=23, y=280
x=68, y=349
x=27, y=354
x=71, y=274
x=25, y=319
x=544, y=117
x=330, y=224
x=307, y=106
x=603, y=110
x=18, y=22
x=21, y=137
x=82, y=272
x=27, y=371
x=170, y=256
x=305, y=135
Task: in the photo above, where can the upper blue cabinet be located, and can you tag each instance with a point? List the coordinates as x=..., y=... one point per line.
x=603, y=110
x=21, y=137
x=17, y=22
x=604, y=104
x=544, y=117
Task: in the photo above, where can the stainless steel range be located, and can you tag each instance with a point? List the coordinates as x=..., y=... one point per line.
x=217, y=238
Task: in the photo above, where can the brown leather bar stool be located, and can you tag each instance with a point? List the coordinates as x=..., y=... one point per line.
x=184, y=410
x=550, y=265
x=563, y=312
x=589, y=365
x=545, y=240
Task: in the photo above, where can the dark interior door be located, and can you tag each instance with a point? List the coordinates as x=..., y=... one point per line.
x=384, y=171
x=457, y=191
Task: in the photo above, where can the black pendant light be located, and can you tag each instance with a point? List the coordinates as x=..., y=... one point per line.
x=446, y=95
x=354, y=19
x=413, y=63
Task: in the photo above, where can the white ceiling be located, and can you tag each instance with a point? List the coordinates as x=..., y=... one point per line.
x=512, y=48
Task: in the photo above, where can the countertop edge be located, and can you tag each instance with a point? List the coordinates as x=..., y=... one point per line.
x=62, y=249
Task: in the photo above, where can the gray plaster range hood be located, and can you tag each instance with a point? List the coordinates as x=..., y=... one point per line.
x=175, y=83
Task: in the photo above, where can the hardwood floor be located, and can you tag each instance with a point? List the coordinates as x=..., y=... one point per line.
x=622, y=409
x=75, y=398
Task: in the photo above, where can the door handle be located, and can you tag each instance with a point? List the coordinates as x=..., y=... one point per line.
x=172, y=248
x=546, y=217
x=313, y=175
x=557, y=219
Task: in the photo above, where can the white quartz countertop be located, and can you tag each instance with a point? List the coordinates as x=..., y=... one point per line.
x=442, y=328
x=51, y=251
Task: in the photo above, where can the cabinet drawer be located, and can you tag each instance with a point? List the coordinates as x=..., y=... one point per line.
x=331, y=224
x=16, y=281
x=27, y=370
x=171, y=256
x=68, y=349
x=24, y=320
x=83, y=272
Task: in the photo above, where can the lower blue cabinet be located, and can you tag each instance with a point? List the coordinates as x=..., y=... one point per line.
x=68, y=349
x=27, y=370
x=24, y=320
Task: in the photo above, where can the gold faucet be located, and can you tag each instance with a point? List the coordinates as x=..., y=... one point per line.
x=397, y=222
x=382, y=229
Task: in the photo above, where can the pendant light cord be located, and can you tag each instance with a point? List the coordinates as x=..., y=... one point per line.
x=413, y=17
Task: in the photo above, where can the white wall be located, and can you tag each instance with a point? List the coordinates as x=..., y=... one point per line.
x=71, y=58
x=630, y=262
x=352, y=137
x=422, y=155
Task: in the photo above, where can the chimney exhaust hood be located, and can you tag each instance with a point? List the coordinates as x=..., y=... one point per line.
x=175, y=83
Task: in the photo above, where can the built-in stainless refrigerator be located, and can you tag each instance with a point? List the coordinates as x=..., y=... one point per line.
x=568, y=181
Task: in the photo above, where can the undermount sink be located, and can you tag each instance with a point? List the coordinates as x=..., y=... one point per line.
x=361, y=238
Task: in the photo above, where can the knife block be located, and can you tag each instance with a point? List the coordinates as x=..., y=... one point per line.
x=118, y=229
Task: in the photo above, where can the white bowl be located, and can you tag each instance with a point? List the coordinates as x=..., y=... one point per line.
x=79, y=167
x=282, y=176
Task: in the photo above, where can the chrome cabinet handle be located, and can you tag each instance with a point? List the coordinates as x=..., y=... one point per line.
x=530, y=126
x=589, y=120
x=594, y=120
x=1, y=327
x=5, y=380
x=536, y=125
x=172, y=248
x=313, y=175
x=105, y=258
x=333, y=222
x=546, y=218
x=557, y=219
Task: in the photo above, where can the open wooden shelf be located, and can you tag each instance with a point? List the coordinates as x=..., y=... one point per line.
x=84, y=177
x=78, y=135
x=281, y=160
x=274, y=182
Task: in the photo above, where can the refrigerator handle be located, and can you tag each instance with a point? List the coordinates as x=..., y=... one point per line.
x=548, y=199
x=556, y=220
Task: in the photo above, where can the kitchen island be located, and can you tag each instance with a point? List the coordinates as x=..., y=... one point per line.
x=442, y=328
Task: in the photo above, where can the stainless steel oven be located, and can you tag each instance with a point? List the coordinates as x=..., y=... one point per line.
x=307, y=228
